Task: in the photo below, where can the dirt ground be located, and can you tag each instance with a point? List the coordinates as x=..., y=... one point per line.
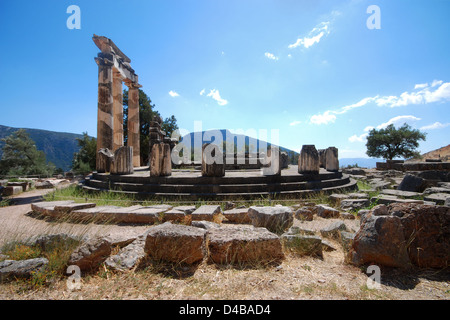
x=296, y=277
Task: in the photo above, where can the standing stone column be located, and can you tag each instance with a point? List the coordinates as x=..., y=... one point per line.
x=332, y=160
x=105, y=108
x=133, y=123
x=322, y=159
x=117, y=111
x=272, y=166
x=308, y=161
x=213, y=161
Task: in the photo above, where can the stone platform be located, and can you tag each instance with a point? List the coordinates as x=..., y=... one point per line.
x=236, y=184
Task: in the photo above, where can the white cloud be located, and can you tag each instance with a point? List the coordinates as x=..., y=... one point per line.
x=202, y=92
x=439, y=91
x=360, y=138
x=216, y=96
x=314, y=36
x=173, y=93
x=271, y=56
x=436, y=125
x=324, y=118
x=396, y=120
x=294, y=123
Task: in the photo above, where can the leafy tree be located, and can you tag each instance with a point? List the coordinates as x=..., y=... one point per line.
x=83, y=161
x=390, y=142
x=147, y=113
x=20, y=157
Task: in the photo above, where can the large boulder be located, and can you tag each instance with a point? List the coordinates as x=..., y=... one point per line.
x=380, y=240
x=400, y=234
x=91, y=254
x=412, y=183
x=275, y=219
x=175, y=243
x=243, y=245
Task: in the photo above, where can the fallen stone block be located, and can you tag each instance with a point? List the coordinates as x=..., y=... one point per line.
x=12, y=190
x=304, y=214
x=327, y=212
x=67, y=208
x=354, y=204
x=176, y=216
x=332, y=230
x=237, y=215
x=438, y=198
x=205, y=224
x=208, y=213
x=275, y=219
x=91, y=254
x=48, y=207
x=243, y=245
x=175, y=243
x=401, y=193
x=303, y=244
x=129, y=256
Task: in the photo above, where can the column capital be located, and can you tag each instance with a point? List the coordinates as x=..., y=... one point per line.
x=132, y=85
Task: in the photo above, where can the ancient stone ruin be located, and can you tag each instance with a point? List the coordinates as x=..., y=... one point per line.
x=113, y=69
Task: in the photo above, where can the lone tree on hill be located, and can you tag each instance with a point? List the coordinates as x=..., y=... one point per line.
x=20, y=157
x=390, y=142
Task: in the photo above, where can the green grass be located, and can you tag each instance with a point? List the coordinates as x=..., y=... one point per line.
x=57, y=254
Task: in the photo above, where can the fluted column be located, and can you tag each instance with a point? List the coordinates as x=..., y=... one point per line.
x=105, y=120
x=117, y=111
x=133, y=123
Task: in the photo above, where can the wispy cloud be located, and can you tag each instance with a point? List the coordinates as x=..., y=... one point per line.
x=173, y=94
x=214, y=93
x=271, y=56
x=437, y=91
x=202, y=92
x=294, y=123
x=396, y=121
x=436, y=125
x=313, y=37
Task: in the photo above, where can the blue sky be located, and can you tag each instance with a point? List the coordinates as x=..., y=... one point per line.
x=311, y=69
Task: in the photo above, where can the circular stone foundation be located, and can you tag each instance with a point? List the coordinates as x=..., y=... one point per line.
x=236, y=184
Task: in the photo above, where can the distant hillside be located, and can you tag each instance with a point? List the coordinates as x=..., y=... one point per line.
x=441, y=153
x=189, y=139
x=58, y=147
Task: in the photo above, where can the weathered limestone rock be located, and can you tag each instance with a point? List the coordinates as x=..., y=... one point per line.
x=237, y=215
x=104, y=160
x=308, y=161
x=47, y=208
x=61, y=209
x=380, y=240
x=426, y=228
x=89, y=255
x=276, y=219
x=401, y=193
x=438, y=198
x=332, y=160
x=346, y=239
x=208, y=213
x=21, y=268
x=412, y=183
x=304, y=214
x=213, y=161
x=347, y=216
x=129, y=256
x=325, y=211
x=44, y=185
x=176, y=216
x=123, y=161
x=175, y=243
x=185, y=209
x=205, y=224
x=303, y=244
x=243, y=245
x=349, y=204
x=48, y=241
x=12, y=190
x=300, y=230
x=333, y=229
